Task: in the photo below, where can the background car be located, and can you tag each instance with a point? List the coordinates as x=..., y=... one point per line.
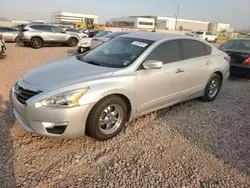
x=206, y=35
x=38, y=34
x=90, y=33
x=2, y=45
x=81, y=34
x=96, y=41
x=239, y=51
x=10, y=34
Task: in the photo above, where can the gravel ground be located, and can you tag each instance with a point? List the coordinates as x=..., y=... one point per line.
x=193, y=144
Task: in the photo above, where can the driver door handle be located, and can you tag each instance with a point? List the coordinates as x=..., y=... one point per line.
x=179, y=71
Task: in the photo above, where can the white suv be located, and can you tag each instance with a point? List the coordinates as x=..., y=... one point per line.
x=207, y=36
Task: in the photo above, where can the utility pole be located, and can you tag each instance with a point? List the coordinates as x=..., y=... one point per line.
x=176, y=17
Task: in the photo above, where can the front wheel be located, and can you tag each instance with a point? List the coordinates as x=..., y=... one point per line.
x=215, y=40
x=72, y=42
x=212, y=88
x=107, y=118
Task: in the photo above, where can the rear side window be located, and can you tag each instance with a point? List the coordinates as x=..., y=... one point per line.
x=199, y=33
x=208, y=49
x=166, y=52
x=192, y=49
x=41, y=28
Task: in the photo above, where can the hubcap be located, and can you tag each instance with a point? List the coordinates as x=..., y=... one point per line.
x=213, y=88
x=110, y=119
x=37, y=42
x=73, y=42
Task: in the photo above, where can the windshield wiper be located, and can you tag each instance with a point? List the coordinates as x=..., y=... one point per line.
x=92, y=63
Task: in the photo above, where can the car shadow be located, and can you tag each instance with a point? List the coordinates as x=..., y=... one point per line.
x=7, y=121
x=215, y=130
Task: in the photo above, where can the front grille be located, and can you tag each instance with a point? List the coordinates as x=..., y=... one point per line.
x=23, y=95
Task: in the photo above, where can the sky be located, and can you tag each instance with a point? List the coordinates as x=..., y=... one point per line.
x=234, y=12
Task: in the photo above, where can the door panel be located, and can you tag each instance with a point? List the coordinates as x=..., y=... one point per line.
x=197, y=74
x=197, y=65
x=159, y=87
x=58, y=36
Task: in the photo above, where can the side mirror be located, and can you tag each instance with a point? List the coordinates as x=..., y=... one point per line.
x=152, y=64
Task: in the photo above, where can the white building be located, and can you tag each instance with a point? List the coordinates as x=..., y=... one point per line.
x=133, y=21
x=185, y=24
x=72, y=18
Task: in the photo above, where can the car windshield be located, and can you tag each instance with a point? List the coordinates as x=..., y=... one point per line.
x=102, y=33
x=117, y=53
x=113, y=35
x=236, y=45
x=199, y=33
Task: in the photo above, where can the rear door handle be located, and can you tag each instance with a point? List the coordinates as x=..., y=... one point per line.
x=208, y=62
x=179, y=70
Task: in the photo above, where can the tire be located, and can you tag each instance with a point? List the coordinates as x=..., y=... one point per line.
x=36, y=43
x=206, y=39
x=212, y=88
x=215, y=40
x=72, y=42
x=103, y=110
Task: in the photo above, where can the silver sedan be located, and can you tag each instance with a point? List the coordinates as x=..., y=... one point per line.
x=131, y=75
x=10, y=34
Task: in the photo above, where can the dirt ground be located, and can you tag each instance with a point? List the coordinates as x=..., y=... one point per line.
x=193, y=144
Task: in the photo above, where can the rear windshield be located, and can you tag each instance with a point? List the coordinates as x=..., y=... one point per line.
x=113, y=35
x=117, y=53
x=199, y=33
x=236, y=45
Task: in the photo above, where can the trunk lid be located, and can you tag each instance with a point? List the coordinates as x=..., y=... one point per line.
x=238, y=57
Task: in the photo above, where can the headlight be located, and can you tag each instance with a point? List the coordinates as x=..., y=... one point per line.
x=66, y=99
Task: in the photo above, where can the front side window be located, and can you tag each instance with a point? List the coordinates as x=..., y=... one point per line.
x=56, y=29
x=192, y=49
x=117, y=53
x=208, y=33
x=166, y=52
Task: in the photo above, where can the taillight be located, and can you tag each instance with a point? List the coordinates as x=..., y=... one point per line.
x=1, y=37
x=247, y=61
x=228, y=59
x=23, y=30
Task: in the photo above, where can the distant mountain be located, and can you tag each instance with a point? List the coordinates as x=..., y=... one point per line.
x=4, y=19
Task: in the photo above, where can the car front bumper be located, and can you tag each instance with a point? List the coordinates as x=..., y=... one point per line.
x=240, y=70
x=45, y=121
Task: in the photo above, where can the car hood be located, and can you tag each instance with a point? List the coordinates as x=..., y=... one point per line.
x=65, y=72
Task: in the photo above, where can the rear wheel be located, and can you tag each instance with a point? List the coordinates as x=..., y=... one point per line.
x=72, y=42
x=215, y=40
x=36, y=43
x=107, y=118
x=212, y=88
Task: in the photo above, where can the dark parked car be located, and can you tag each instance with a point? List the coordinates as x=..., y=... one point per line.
x=239, y=51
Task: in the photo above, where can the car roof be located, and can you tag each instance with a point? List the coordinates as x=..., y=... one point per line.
x=153, y=36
